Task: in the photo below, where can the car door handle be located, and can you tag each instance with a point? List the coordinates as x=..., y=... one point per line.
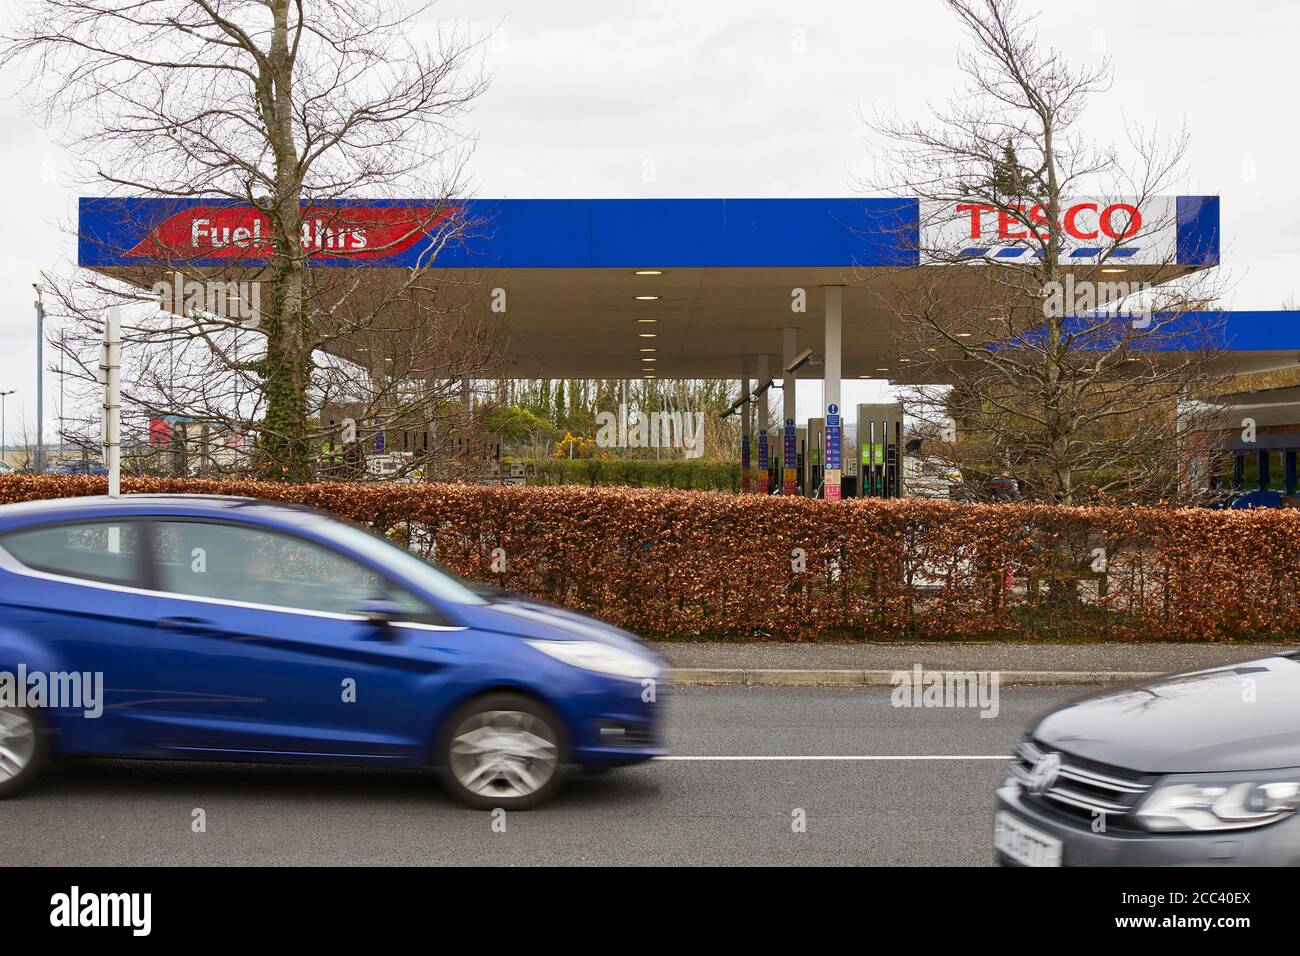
x=188, y=625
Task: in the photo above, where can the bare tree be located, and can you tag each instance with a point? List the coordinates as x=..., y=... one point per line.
x=283, y=114
x=1072, y=336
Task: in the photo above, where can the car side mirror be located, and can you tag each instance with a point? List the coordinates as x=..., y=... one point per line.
x=378, y=612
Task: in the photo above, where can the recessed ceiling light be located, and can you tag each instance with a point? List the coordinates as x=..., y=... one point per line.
x=882, y=370
x=932, y=350
x=647, y=360
x=864, y=376
x=649, y=272
x=905, y=360
x=649, y=350
x=1112, y=270
x=963, y=335
x=647, y=335
x=646, y=321
x=645, y=298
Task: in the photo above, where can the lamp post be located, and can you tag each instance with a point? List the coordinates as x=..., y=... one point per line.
x=3, y=395
x=111, y=365
x=40, y=394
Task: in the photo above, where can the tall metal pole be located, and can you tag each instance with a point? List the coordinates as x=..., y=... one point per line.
x=40, y=392
x=3, y=396
x=63, y=341
x=111, y=363
x=746, y=390
x=762, y=423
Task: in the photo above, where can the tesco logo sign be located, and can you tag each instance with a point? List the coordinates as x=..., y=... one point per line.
x=1080, y=220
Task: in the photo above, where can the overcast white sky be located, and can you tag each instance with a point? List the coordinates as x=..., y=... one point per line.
x=748, y=98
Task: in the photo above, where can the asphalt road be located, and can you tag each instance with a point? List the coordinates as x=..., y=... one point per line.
x=922, y=811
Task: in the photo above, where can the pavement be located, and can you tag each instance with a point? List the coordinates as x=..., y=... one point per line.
x=853, y=665
x=874, y=784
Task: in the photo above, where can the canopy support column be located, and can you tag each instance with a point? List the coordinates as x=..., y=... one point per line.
x=746, y=388
x=764, y=462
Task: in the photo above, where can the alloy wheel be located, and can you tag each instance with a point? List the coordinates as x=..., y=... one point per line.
x=504, y=753
x=17, y=742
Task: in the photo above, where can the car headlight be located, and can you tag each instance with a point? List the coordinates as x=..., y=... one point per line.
x=595, y=656
x=1221, y=803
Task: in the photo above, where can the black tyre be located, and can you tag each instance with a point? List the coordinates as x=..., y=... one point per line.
x=24, y=749
x=503, y=751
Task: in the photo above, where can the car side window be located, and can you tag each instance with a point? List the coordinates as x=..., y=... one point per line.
x=105, y=551
x=253, y=565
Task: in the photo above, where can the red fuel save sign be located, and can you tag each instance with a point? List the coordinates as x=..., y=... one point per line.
x=341, y=232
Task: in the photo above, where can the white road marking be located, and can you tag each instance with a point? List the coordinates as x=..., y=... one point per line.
x=852, y=757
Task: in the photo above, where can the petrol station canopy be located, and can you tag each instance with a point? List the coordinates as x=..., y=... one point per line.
x=717, y=276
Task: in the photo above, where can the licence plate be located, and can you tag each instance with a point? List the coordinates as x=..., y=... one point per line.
x=1024, y=844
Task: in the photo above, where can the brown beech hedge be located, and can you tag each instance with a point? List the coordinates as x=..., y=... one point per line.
x=703, y=565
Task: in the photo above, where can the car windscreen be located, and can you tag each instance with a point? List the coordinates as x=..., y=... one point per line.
x=438, y=583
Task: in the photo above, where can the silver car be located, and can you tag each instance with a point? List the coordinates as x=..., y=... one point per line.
x=1194, y=769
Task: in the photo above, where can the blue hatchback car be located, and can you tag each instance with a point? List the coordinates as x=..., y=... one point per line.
x=215, y=628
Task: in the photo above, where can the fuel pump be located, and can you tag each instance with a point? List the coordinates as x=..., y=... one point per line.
x=849, y=480
x=801, y=443
x=788, y=443
x=814, y=443
x=880, y=438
